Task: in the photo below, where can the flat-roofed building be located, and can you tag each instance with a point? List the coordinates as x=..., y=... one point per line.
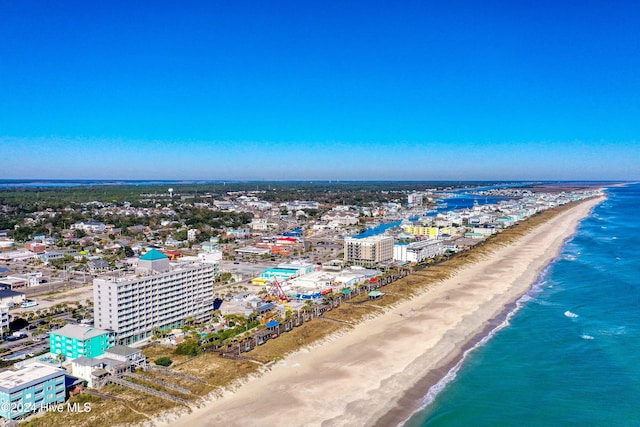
x=74, y=341
x=161, y=295
x=368, y=251
x=418, y=251
x=89, y=226
x=11, y=298
x=30, y=388
x=415, y=199
x=279, y=273
x=12, y=282
x=302, y=268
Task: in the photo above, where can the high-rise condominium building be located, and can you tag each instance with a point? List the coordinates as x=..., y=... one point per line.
x=161, y=295
x=368, y=251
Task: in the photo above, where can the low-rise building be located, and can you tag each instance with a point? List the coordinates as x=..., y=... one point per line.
x=12, y=282
x=426, y=231
x=33, y=246
x=97, y=265
x=17, y=255
x=417, y=251
x=74, y=341
x=89, y=226
x=131, y=355
x=83, y=367
x=301, y=268
x=259, y=224
x=6, y=244
x=30, y=388
x=96, y=371
x=341, y=218
x=11, y=298
x=279, y=273
x=211, y=246
x=253, y=250
x=485, y=231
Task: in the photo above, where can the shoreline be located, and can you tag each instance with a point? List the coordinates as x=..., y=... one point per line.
x=375, y=374
x=441, y=377
x=416, y=397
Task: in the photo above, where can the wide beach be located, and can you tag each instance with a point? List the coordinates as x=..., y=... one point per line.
x=378, y=371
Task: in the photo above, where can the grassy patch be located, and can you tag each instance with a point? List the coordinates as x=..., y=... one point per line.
x=308, y=333
x=103, y=413
x=217, y=371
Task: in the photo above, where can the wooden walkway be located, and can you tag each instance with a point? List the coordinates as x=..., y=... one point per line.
x=176, y=374
x=148, y=390
x=159, y=382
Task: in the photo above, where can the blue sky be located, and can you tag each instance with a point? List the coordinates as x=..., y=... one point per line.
x=320, y=90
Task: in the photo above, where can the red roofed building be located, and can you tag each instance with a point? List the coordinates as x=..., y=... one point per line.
x=280, y=250
x=286, y=240
x=173, y=255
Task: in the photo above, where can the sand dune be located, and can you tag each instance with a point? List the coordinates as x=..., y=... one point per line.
x=352, y=380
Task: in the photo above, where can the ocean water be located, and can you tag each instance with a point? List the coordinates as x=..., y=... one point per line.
x=569, y=354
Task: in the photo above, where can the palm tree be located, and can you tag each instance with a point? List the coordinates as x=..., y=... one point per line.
x=307, y=308
x=191, y=321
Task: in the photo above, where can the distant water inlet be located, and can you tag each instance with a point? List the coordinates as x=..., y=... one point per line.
x=569, y=355
x=374, y=231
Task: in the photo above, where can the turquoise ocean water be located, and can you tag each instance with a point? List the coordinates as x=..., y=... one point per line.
x=569, y=354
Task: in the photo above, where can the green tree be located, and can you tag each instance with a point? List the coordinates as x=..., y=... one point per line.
x=163, y=361
x=189, y=347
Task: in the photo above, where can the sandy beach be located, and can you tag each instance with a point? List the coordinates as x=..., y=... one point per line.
x=351, y=379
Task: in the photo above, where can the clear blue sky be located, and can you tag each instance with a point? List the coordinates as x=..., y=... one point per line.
x=320, y=89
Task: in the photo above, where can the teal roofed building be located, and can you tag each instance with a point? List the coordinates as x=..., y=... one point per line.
x=73, y=341
x=279, y=273
x=153, y=261
x=153, y=255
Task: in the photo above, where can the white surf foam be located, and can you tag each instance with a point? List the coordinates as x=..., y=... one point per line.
x=437, y=388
